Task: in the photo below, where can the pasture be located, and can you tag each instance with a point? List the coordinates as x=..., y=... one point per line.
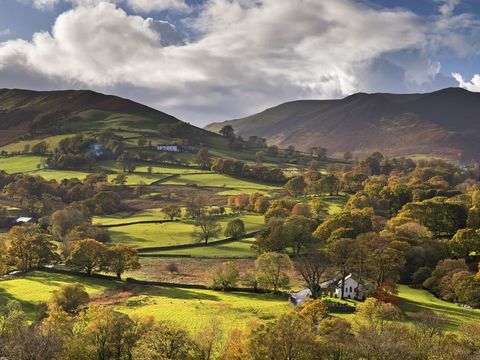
x=415, y=300
x=20, y=163
x=235, y=249
x=191, y=308
x=172, y=233
x=231, y=185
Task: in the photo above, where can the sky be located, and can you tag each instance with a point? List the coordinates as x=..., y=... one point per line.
x=213, y=60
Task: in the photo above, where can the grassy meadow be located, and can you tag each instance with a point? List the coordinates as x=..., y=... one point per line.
x=188, y=307
x=172, y=233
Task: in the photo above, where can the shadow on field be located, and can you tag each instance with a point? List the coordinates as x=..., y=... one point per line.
x=176, y=293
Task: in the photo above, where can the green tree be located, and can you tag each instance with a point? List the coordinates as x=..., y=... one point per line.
x=227, y=131
x=87, y=255
x=296, y=185
x=30, y=248
x=235, y=229
x=206, y=227
x=465, y=243
x=298, y=230
x=120, y=258
x=272, y=270
x=224, y=276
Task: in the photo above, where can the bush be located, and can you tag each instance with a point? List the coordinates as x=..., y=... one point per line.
x=70, y=297
x=172, y=268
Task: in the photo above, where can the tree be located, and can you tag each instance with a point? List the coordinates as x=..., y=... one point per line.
x=206, y=227
x=40, y=148
x=288, y=337
x=340, y=252
x=272, y=238
x=120, y=258
x=224, y=276
x=298, y=230
x=203, y=157
x=70, y=297
x=296, y=185
x=235, y=229
x=314, y=311
x=172, y=211
x=377, y=314
x=312, y=266
x=127, y=162
x=195, y=205
x=164, y=340
x=141, y=142
x=120, y=179
x=319, y=209
x=227, y=131
x=87, y=255
x=271, y=269
x=465, y=242
x=30, y=248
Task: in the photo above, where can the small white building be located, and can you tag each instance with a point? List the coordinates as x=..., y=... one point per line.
x=168, y=148
x=334, y=287
x=350, y=289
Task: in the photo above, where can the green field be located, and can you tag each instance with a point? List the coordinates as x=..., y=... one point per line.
x=20, y=163
x=235, y=249
x=172, y=233
x=19, y=146
x=191, y=308
x=233, y=186
x=415, y=300
x=126, y=217
x=194, y=308
x=37, y=287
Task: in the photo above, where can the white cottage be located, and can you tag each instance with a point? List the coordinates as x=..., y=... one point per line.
x=168, y=148
x=351, y=285
x=334, y=287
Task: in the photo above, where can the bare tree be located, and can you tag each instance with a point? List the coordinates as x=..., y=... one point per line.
x=312, y=266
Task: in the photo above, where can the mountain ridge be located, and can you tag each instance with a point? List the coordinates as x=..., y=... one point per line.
x=444, y=123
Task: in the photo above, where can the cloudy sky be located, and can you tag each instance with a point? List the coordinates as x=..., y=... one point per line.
x=210, y=60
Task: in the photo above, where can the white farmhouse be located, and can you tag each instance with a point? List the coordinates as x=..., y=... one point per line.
x=351, y=285
x=168, y=148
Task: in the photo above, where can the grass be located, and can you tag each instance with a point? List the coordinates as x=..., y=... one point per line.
x=233, y=186
x=172, y=233
x=37, y=287
x=126, y=217
x=190, y=308
x=52, y=142
x=194, y=308
x=415, y=300
x=20, y=163
x=235, y=249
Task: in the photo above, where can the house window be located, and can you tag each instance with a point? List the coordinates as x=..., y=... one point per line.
x=351, y=289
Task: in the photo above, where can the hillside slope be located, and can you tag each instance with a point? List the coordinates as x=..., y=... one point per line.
x=445, y=123
x=43, y=113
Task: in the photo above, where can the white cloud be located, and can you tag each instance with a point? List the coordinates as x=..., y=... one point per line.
x=446, y=7
x=157, y=5
x=472, y=85
x=249, y=54
x=144, y=6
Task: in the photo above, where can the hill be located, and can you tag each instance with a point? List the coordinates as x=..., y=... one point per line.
x=445, y=123
x=37, y=114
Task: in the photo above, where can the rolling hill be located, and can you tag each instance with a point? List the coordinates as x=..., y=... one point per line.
x=445, y=123
x=37, y=114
